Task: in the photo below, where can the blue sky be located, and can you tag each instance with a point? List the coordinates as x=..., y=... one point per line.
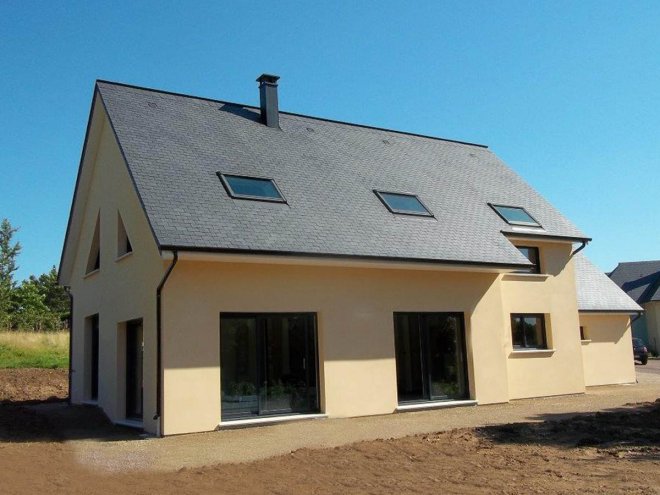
x=567, y=93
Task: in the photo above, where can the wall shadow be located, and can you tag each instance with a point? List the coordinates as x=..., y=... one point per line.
x=54, y=420
x=627, y=432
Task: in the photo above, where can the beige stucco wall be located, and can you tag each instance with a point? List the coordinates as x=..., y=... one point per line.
x=608, y=355
x=546, y=373
x=652, y=313
x=355, y=323
x=121, y=290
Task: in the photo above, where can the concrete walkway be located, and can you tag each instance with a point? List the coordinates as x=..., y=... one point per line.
x=243, y=445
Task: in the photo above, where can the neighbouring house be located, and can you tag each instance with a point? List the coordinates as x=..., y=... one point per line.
x=641, y=281
x=232, y=264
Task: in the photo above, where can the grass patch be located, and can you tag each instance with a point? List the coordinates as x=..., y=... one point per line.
x=20, y=349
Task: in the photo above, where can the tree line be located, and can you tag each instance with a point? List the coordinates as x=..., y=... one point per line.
x=37, y=303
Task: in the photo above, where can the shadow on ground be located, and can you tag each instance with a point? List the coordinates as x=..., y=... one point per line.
x=57, y=421
x=632, y=432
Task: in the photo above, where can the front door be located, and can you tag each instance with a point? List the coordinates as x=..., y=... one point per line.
x=134, y=369
x=430, y=357
x=268, y=364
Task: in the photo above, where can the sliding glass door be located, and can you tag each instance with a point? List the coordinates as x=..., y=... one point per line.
x=430, y=356
x=268, y=364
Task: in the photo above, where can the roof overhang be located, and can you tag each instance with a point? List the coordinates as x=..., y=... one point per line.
x=611, y=311
x=544, y=237
x=305, y=259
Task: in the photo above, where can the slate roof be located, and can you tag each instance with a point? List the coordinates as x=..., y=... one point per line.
x=175, y=144
x=596, y=292
x=640, y=280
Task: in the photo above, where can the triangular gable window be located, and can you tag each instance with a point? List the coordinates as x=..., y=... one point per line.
x=94, y=260
x=123, y=242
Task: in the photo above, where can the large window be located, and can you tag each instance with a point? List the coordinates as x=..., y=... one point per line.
x=268, y=364
x=403, y=203
x=528, y=331
x=515, y=215
x=430, y=357
x=256, y=188
x=532, y=254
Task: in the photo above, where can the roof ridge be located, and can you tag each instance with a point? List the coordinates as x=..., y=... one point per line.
x=294, y=114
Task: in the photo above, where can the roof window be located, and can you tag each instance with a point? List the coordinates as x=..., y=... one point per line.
x=515, y=215
x=255, y=188
x=403, y=203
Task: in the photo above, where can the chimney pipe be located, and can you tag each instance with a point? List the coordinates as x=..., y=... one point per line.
x=270, y=114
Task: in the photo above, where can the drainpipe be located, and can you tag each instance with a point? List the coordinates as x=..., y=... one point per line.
x=583, y=245
x=68, y=292
x=159, y=359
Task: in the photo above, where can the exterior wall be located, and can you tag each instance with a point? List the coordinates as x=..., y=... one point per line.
x=639, y=329
x=607, y=352
x=652, y=314
x=555, y=372
x=354, y=309
x=121, y=290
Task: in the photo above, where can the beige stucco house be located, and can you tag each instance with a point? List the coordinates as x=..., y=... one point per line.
x=233, y=265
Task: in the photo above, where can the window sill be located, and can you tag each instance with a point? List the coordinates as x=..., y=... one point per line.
x=123, y=256
x=526, y=276
x=90, y=402
x=531, y=352
x=131, y=423
x=238, y=423
x=435, y=405
x=92, y=273
x=585, y=341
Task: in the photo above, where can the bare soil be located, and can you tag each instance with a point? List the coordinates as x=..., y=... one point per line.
x=616, y=451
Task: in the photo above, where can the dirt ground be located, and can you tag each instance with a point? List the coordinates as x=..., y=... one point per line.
x=614, y=451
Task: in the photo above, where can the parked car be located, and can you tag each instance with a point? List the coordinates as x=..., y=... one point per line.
x=640, y=351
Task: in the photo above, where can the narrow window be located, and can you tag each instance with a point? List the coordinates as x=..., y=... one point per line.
x=255, y=188
x=403, y=203
x=94, y=259
x=515, y=215
x=528, y=331
x=92, y=357
x=123, y=242
x=532, y=254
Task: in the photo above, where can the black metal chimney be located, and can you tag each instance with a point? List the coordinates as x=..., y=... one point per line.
x=270, y=113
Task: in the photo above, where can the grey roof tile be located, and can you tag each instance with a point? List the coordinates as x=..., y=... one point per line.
x=640, y=279
x=175, y=144
x=596, y=292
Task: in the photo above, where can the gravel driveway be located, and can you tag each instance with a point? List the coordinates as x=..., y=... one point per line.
x=243, y=445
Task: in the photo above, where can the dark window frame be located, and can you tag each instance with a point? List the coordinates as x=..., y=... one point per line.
x=259, y=317
x=541, y=317
x=536, y=223
x=379, y=193
x=537, y=266
x=421, y=315
x=232, y=194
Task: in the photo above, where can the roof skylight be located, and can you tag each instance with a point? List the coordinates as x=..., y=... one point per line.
x=403, y=203
x=255, y=188
x=515, y=215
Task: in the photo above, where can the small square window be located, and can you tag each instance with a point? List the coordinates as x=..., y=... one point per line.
x=532, y=254
x=515, y=215
x=256, y=188
x=528, y=331
x=403, y=203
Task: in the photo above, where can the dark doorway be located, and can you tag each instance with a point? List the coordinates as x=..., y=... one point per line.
x=268, y=364
x=134, y=350
x=94, y=357
x=431, y=362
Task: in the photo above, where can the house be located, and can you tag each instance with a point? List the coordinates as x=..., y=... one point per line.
x=641, y=281
x=605, y=332
x=232, y=265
